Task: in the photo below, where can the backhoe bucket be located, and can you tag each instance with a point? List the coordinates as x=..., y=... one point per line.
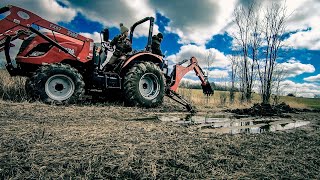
x=207, y=90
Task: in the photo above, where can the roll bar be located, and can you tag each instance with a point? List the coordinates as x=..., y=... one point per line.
x=151, y=19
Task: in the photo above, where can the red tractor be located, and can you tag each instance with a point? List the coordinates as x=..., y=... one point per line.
x=62, y=65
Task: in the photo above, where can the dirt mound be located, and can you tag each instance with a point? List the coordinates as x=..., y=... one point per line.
x=265, y=110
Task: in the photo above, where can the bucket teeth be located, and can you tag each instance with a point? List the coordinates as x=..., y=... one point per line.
x=207, y=90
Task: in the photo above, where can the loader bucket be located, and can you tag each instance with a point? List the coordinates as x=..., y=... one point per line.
x=207, y=90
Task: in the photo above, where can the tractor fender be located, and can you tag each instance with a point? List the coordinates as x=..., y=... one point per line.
x=142, y=56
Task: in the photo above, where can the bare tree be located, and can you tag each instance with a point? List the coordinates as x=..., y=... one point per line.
x=255, y=34
x=273, y=29
x=234, y=71
x=248, y=38
x=278, y=76
x=209, y=59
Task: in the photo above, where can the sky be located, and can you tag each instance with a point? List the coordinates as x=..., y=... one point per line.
x=194, y=28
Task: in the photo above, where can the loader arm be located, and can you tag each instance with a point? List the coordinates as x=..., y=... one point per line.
x=176, y=76
x=20, y=23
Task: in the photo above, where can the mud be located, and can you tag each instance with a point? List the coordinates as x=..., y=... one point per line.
x=270, y=110
x=104, y=141
x=230, y=124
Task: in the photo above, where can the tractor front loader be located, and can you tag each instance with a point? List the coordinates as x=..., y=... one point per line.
x=61, y=65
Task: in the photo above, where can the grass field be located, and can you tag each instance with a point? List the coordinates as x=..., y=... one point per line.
x=221, y=99
x=12, y=89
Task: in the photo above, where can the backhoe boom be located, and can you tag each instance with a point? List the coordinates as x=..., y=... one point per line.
x=179, y=71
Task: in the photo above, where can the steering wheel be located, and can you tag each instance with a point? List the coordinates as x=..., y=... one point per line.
x=107, y=46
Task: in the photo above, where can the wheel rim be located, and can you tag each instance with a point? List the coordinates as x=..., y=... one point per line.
x=149, y=86
x=59, y=87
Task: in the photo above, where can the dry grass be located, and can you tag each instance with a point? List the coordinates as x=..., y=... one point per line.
x=12, y=88
x=202, y=102
x=198, y=99
x=39, y=141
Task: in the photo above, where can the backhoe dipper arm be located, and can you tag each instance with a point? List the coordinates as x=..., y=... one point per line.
x=179, y=71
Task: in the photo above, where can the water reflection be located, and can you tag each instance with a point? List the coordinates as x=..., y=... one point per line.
x=224, y=124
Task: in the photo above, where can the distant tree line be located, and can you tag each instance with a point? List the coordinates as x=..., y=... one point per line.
x=185, y=84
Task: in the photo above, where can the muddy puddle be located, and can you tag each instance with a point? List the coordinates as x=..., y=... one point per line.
x=229, y=124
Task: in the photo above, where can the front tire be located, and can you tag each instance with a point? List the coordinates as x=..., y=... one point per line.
x=57, y=84
x=144, y=85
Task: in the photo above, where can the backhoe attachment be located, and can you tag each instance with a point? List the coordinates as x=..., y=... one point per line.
x=177, y=74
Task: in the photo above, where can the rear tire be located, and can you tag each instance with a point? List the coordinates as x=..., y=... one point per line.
x=144, y=85
x=56, y=84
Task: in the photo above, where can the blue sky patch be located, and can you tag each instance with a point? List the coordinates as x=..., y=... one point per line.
x=81, y=24
x=221, y=42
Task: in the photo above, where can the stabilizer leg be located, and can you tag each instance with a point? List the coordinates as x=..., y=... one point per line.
x=179, y=99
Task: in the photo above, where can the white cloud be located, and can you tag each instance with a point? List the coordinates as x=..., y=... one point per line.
x=196, y=22
x=49, y=9
x=216, y=73
x=299, y=89
x=189, y=81
x=293, y=68
x=305, y=14
x=302, y=13
x=201, y=53
x=95, y=36
x=313, y=78
x=305, y=39
x=113, y=12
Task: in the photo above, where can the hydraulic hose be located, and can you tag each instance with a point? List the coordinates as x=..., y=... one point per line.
x=12, y=71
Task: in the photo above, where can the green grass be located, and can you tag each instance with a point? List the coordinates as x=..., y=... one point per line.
x=313, y=103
